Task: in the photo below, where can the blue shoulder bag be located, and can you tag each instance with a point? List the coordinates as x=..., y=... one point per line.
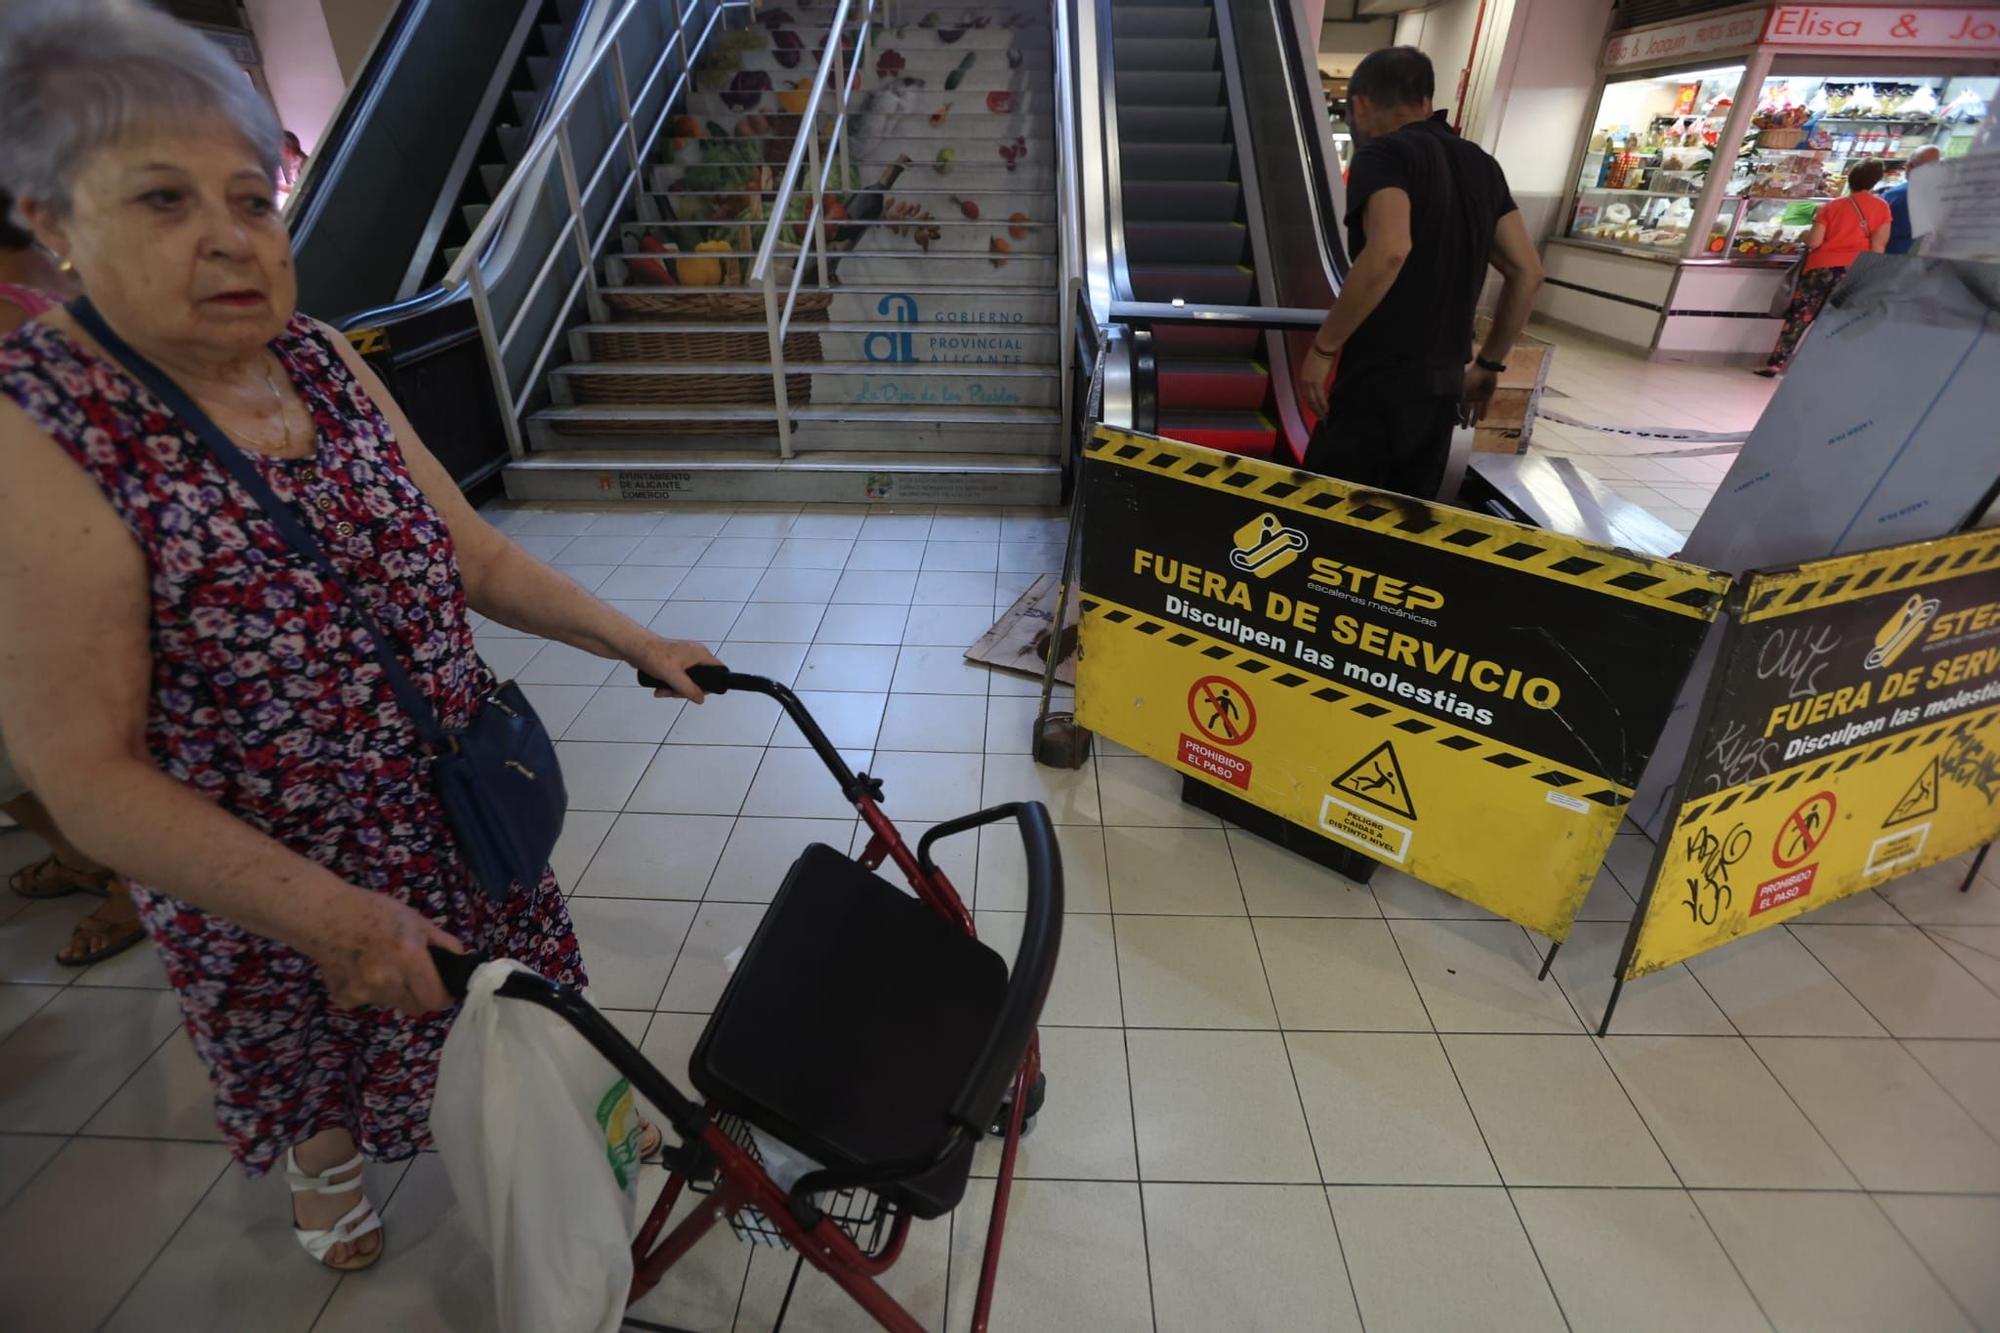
x=498, y=779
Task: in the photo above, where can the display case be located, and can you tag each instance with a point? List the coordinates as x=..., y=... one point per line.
x=1747, y=230
x=1809, y=130
x=1652, y=144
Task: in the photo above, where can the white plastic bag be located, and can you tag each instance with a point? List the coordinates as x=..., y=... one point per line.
x=540, y=1137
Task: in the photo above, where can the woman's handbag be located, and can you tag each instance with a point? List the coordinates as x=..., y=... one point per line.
x=498, y=779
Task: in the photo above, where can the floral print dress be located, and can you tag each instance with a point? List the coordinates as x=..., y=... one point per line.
x=267, y=701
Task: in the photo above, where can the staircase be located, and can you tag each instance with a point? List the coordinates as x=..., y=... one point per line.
x=927, y=366
x=1185, y=235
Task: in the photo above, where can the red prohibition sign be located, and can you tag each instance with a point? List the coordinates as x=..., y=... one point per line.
x=1804, y=829
x=1221, y=710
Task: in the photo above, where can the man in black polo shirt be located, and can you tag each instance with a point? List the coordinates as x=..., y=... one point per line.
x=1426, y=213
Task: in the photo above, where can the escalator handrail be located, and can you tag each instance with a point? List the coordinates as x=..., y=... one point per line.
x=1114, y=170
x=336, y=142
x=1234, y=316
x=478, y=248
x=1313, y=140
x=445, y=293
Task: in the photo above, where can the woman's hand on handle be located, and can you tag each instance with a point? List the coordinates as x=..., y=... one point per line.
x=668, y=660
x=372, y=950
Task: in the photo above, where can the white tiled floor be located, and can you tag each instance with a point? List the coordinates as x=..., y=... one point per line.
x=1607, y=384
x=1278, y=1099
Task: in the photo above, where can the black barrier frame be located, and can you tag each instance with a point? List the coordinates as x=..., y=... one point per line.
x=1711, y=699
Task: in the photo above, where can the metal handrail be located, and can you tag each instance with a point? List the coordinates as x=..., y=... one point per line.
x=808, y=155
x=1068, y=215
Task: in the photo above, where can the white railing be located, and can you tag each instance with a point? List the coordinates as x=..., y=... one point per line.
x=502, y=323
x=816, y=161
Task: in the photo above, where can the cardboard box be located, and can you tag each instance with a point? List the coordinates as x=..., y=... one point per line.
x=1509, y=423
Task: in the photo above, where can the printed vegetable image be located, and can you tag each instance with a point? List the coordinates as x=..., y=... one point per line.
x=1001, y=248
x=786, y=48
x=1017, y=231
x=652, y=270
x=957, y=76
x=776, y=18
x=889, y=63
x=942, y=164
x=939, y=116
x=967, y=207
x=793, y=99
x=1000, y=103
x=700, y=272
x=1013, y=57
x=745, y=88
x=950, y=35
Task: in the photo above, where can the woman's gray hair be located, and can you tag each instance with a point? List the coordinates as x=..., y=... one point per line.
x=76, y=75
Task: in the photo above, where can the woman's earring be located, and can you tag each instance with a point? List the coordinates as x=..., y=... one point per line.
x=65, y=266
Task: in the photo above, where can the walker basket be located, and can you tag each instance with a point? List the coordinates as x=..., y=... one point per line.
x=864, y=1216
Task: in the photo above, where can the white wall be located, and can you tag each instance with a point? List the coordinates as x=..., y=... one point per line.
x=300, y=67
x=1444, y=33
x=1538, y=105
x=352, y=24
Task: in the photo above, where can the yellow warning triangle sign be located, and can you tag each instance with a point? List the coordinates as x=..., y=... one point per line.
x=1920, y=799
x=1378, y=779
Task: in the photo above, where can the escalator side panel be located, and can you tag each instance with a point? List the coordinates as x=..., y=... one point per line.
x=378, y=197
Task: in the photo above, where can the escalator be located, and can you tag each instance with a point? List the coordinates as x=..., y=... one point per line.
x=1186, y=237
x=1221, y=208
x=435, y=120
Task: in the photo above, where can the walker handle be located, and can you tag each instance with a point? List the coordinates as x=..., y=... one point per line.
x=707, y=678
x=455, y=969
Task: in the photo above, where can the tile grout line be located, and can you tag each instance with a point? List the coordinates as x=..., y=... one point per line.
x=1131, y=1092
x=1291, y=1067
x=1971, y=1317
x=1484, y=1142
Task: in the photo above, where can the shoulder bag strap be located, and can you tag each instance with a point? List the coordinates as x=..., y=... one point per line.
x=176, y=400
x=1862, y=213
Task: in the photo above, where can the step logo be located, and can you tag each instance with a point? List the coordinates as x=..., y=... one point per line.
x=1900, y=631
x=1265, y=545
x=899, y=346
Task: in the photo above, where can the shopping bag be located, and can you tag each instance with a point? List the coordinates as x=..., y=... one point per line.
x=540, y=1137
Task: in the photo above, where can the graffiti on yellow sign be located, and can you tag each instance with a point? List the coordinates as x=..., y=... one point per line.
x=1467, y=699
x=1870, y=688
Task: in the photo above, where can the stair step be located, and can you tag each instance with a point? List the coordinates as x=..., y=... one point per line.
x=877, y=413
x=1154, y=242
x=1149, y=20
x=1155, y=54
x=821, y=428
x=642, y=475
x=990, y=68
x=1176, y=201
x=1235, y=432
x=879, y=343
x=1237, y=384
x=526, y=102
x=1197, y=284
x=963, y=177
x=814, y=383
x=542, y=70
x=1199, y=342
x=1026, y=101
x=1180, y=88
x=1177, y=161
x=513, y=141
x=493, y=175
x=555, y=37
x=975, y=305
x=1172, y=124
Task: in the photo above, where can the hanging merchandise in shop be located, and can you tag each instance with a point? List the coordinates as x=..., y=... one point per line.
x=1847, y=738
x=1466, y=699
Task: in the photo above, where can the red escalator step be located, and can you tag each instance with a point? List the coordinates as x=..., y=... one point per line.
x=1213, y=384
x=1250, y=433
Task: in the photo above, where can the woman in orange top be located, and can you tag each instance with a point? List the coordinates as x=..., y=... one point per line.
x=1840, y=230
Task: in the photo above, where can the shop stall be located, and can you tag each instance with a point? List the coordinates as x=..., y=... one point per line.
x=1713, y=141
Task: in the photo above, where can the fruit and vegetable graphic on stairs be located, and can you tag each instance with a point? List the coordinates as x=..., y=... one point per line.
x=937, y=332
x=1184, y=221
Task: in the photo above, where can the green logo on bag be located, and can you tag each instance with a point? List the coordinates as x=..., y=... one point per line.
x=618, y=1116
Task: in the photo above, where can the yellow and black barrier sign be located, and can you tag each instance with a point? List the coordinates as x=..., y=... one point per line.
x=1847, y=737
x=1466, y=699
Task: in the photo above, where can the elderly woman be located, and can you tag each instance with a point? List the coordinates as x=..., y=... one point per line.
x=196, y=706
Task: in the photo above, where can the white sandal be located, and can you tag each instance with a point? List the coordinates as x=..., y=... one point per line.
x=359, y=1220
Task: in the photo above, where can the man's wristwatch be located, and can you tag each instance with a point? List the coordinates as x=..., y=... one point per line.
x=1495, y=366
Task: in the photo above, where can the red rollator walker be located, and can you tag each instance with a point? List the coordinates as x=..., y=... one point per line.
x=865, y=1029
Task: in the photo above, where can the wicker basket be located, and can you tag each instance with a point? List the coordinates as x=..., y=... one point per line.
x=695, y=303
x=634, y=345
x=685, y=390
x=1778, y=139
